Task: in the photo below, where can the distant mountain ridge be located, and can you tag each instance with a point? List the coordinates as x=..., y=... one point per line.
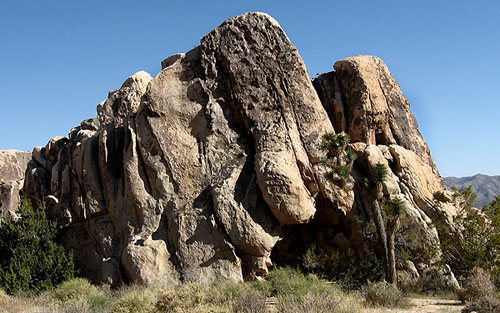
x=486, y=187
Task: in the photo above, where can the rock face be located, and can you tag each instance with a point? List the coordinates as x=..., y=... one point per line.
x=197, y=173
x=12, y=167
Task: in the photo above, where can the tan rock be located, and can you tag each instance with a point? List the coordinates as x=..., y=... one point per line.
x=147, y=262
x=124, y=102
x=13, y=165
x=418, y=177
x=378, y=112
x=277, y=104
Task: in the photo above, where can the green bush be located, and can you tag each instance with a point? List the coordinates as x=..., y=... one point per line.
x=475, y=241
x=384, y=294
x=79, y=293
x=348, y=268
x=136, y=301
x=288, y=282
x=31, y=261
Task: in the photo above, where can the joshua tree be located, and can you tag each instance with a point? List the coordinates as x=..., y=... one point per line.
x=386, y=231
x=339, y=157
x=395, y=209
x=379, y=176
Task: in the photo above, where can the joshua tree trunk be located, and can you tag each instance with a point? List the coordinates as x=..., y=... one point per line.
x=392, y=228
x=382, y=235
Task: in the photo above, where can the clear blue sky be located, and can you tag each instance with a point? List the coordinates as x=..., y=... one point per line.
x=59, y=59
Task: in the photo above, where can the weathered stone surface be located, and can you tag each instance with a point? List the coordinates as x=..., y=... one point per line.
x=206, y=170
x=124, y=102
x=275, y=103
x=12, y=167
x=377, y=111
x=13, y=164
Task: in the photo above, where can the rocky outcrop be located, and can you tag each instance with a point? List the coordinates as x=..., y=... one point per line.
x=124, y=102
x=12, y=167
x=198, y=173
x=374, y=109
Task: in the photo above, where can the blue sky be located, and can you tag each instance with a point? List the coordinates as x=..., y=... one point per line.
x=59, y=59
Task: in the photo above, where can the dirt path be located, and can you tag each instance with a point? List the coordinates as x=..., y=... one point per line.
x=426, y=305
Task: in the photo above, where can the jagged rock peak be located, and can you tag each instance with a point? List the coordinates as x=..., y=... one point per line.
x=213, y=168
x=378, y=112
x=124, y=102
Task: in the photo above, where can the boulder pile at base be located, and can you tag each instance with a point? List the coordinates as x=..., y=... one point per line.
x=213, y=169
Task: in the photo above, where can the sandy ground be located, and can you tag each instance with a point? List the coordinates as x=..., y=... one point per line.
x=418, y=305
x=426, y=305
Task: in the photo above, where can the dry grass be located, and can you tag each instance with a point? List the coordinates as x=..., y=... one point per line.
x=312, y=303
x=21, y=303
x=385, y=295
x=135, y=301
x=283, y=292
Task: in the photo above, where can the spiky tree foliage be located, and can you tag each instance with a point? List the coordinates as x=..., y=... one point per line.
x=339, y=158
x=333, y=142
x=396, y=207
x=30, y=259
x=380, y=173
x=344, y=171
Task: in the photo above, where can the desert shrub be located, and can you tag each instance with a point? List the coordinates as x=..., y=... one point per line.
x=224, y=292
x=289, y=282
x=409, y=243
x=190, y=298
x=384, y=294
x=489, y=304
x=311, y=303
x=348, y=268
x=79, y=294
x=407, y=282
x=135, y=301
x=250, y=301
x=31, y=260
x=477, y=286
x=335, y=302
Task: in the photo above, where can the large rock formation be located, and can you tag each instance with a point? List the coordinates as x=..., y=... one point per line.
x=12, y=168
x=197, y=173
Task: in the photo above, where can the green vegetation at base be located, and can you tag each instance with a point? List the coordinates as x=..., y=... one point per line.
x=350, y=269
x=475, y=240
x=79, y=293
x=283, y=290
x=30, y=259
x=472, y=249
